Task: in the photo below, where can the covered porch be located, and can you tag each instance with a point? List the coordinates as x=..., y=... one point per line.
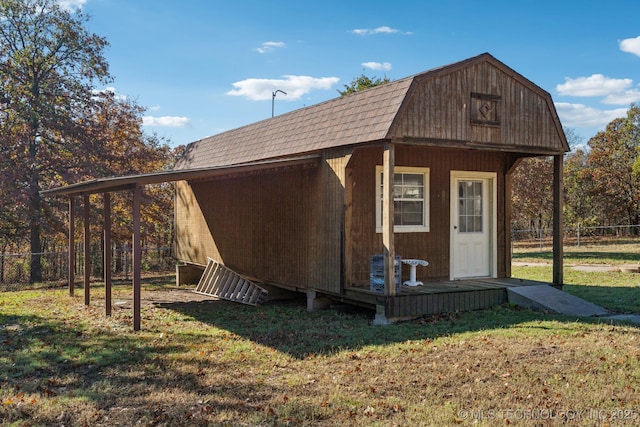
x=463, y=294
x=436, y=297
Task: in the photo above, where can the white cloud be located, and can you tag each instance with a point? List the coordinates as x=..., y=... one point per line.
x=625, y=98
x=154, y=108
x=383, y=66
x=165, y=121
x=269, y=46
x=579, y=115
x=630, y=45
x=294, y=86
x=71, y=4
x=380, y=30
x=595, y=85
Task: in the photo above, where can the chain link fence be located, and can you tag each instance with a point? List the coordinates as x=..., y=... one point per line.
x=15, y=267
x=576, y=236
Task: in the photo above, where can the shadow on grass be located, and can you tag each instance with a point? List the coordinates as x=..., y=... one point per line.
x=116, y=372
x=287, y=327
x=570, y=256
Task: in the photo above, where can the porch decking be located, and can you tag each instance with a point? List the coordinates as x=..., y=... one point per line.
x=438, y=297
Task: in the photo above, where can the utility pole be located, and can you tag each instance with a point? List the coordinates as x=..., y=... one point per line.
x=273, y=99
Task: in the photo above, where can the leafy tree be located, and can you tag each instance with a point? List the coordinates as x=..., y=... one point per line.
x=532, y=194
x=362, y=82
x=578, y=187
x=613, y=152
x=48, y=65
x=116, y=146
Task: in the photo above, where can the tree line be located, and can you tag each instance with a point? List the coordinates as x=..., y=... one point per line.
x=58, y=127
x=601, y=180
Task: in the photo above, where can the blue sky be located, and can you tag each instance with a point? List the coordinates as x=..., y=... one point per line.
x=205, y=66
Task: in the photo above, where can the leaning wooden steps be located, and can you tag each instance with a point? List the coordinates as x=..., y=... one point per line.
x=219, y=281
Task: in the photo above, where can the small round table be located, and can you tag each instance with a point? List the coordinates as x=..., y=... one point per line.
x=413, y=263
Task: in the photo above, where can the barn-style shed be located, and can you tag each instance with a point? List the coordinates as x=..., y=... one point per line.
x=418, y=168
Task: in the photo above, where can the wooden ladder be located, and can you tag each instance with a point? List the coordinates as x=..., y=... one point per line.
x=219, y=281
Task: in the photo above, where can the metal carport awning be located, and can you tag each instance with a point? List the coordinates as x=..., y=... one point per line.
x=135, y=184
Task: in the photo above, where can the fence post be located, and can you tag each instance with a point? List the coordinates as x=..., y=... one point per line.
x=578, y=234
x=126, y=260
x=540, y=237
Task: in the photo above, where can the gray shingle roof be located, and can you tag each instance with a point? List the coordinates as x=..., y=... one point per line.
x=361, y=117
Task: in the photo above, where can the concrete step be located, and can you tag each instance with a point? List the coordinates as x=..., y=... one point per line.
x=548, y=298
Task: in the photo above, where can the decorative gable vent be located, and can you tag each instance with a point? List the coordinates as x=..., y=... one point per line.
x=484, y=109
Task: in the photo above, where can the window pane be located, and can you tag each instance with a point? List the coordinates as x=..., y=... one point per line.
x=409, y=198
x=470, y=206
x=397, y=218
x=477, y=226
x=463, y=224
x=412, y=218
x=413, y=179
x=412, y=213
x=412, y=192
x=477, y=206
x=477, y=189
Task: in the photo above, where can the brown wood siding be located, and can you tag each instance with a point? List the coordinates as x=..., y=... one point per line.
x=433, y=246
x=327, y=236
x=438, y=109
x=258, y=225
x=194, y=242
x=283, y=228
x=406, y=306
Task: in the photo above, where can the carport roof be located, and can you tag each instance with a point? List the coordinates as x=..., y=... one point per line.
x=111, y=184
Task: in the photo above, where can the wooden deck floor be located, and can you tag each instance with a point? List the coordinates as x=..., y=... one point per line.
x=439, y=297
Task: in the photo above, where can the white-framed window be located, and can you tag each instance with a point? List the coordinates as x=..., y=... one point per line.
x=410, y=201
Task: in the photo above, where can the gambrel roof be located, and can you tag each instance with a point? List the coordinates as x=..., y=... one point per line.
x=377, y=114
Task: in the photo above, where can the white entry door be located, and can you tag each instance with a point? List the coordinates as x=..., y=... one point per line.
x=473, y=225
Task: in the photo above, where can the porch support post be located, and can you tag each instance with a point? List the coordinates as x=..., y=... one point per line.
x=137, y=253
x=388, y=165
x=558, y=163
x=87, y=256
x=106, y=268
x=71, y=268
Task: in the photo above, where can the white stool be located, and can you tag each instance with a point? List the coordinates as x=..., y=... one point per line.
x=413, y=263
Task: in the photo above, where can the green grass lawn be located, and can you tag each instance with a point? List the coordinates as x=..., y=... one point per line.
x=208, y=362
x=617, y=291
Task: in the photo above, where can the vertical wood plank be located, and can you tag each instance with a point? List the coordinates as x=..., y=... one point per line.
x=137, y=254
x=558, y=162
x=107, y=253
x=349, y=249
x=71, y=268
x=388, y=165
x=87, y=243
